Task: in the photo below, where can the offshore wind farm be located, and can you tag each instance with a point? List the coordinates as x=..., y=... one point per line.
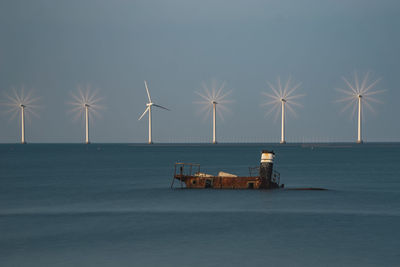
x=86, y=104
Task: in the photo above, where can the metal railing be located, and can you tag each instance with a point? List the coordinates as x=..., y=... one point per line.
x=276, y=177
x=184, y=169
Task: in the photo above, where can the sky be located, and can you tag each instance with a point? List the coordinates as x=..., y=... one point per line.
x=53, y=47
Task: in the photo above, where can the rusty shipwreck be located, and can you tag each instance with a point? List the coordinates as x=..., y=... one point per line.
x=262, y=177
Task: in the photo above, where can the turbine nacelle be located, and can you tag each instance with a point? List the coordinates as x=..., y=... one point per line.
x=283, y=100
x=149, y=104
x=359, y=96
x=86, y=105
x=214, y=102
x=22, y=106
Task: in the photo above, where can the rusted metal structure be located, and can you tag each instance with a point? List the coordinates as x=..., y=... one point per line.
x=262, y=177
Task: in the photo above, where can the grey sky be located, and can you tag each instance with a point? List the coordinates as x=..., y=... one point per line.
x=53, y=46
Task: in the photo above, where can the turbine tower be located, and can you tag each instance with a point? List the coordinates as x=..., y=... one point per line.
x=359, y=94
x=86, y=103
x=359, y=138
x=21, y=103
x=23, y=124
x=87, y=106
x=148, y=109
x=283, y=101
x=212, y=98
x=280, y=99
x=214, y=103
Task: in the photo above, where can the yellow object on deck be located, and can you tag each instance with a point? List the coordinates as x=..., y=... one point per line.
x=202, y=174
x=225, y=174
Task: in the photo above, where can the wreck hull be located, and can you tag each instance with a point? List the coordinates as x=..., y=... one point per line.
x=219, y=182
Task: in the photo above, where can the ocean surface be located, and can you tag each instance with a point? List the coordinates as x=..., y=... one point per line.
x=112, y=205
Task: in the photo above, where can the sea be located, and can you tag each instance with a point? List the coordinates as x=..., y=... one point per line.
x=113, y=205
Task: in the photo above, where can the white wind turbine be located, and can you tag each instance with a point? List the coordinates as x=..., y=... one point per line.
x=212, y=98
x=24, y=103
x=85, y=102
x=148, y=109
x=359, y=94
x=282, y=98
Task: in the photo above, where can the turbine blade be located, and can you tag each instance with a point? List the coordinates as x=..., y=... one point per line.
x=160, y=107
x=205, y=108
x=147, y=90
x=344, y=91
x=371, y=85
x=217, y=96
x=364, y=82
x=274, y=90
x=275, y=108
x=294, y=104
x=208, y=99
x=349, y=85
x=34, y=113
x=356, y=80
x=145, y=111
x=14, y=114
x=285, y=90
x=271, y=96
x=373, y=100
x=277, y=112
x=280, y=86
x=291, y=110
x=269, y=103
x=220, y=98
x=352, y=98
x=368, y=107
x=351, y=103
x=353, y=115
x=290, y=98
x=374, y=93
x=207, y=91
x=293, y=89
x=202, y=102
x=213, y=87
x=222, y=102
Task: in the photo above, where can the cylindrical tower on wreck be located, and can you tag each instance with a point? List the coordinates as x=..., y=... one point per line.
x=266, y=166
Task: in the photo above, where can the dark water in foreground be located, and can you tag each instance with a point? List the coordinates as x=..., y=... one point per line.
x=111, y=205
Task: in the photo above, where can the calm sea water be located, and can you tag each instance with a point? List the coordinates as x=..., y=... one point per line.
x=111, y=205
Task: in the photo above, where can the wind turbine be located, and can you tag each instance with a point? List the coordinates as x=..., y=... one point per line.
x=85, y=102
x=359, y=94
x=212, y=98
x=282, y=98
x=24, y=103
x=148, y=109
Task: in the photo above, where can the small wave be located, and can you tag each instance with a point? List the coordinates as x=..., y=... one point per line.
x=110, y=212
